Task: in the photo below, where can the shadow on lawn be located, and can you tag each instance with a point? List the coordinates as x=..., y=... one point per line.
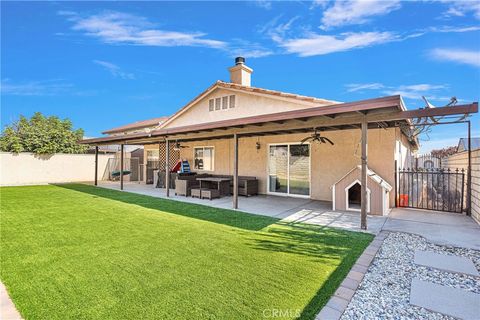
x=320, y=243
x=227, y=217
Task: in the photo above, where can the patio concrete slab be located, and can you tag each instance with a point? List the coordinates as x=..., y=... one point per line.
x=445, y=262
x=289, y=209
x=454, y=302
x=442, y=228
x=337, y=219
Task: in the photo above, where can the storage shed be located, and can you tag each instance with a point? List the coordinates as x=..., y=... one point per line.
x=346, y=194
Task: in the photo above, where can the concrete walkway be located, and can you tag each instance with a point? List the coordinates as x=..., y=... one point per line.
x=442, y=228
x=7, y=308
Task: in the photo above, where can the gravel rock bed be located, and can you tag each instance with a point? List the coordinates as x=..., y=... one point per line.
x=385, y=290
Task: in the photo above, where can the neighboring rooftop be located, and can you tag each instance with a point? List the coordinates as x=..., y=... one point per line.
x=137, y=125
x=463, y=144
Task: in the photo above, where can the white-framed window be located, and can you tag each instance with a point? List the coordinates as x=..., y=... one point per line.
x=232, y=101
x=211, y=105
x=203, y=158
x=218, y=102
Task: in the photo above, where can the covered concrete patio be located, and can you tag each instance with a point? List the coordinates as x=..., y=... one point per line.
x=286, y=208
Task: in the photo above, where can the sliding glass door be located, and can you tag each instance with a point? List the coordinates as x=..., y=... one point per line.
x=289, y=169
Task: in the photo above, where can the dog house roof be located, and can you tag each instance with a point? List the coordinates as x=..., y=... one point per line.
x=372, y=175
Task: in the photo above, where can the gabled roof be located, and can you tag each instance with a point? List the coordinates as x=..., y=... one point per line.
x=463, y=144
x=137, y=125
x=372, y=175
x=309, y=101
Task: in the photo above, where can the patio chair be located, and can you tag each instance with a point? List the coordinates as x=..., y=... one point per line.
x=184, y=186
x=247, y=186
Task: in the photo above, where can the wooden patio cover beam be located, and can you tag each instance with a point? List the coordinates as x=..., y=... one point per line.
x=316, y=115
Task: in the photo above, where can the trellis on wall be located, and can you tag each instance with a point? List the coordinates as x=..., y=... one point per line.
x=174, y=155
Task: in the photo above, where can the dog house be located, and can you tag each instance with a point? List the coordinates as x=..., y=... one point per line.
x=346, y=192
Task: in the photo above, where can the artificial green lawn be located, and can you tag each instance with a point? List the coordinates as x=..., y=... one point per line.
x=76, y=251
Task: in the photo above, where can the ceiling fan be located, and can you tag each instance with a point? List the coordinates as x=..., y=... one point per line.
x=178, y=146
x=316, y=137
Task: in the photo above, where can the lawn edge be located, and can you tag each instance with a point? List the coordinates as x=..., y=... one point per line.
x=340, y=300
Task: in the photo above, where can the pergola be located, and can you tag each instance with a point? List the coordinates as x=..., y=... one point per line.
x=379, y=113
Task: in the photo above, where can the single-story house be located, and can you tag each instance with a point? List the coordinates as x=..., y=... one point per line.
x=233, y=128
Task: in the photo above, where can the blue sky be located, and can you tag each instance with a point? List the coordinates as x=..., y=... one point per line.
x=104, y=64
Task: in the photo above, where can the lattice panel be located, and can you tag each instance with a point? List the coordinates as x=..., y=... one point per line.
x=174, y=155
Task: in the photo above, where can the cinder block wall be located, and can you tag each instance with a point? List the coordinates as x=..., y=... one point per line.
x=460, y=160
x=31, y=169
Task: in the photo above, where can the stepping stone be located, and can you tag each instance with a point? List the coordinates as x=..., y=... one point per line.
x=446, y=262
x=454, y=302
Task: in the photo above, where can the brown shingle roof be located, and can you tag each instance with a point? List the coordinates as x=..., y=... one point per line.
x=273, y=92
x=137, y=125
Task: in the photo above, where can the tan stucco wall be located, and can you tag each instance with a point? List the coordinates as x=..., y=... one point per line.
x=460, y=161
x=328, y=163
x=246, y=105
x=27, y=168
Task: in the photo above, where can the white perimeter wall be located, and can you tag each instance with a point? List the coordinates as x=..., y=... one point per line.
x=27, y=168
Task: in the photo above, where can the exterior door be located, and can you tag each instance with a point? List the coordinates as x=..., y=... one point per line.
x=289, y=169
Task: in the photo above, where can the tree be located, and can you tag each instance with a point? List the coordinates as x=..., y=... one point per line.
x=42, y=135
x=445, y=152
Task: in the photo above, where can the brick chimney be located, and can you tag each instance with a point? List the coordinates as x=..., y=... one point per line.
x=240, y=73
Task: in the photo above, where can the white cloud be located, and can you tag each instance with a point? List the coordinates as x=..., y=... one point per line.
x=354, y=87
x=356, y=11
x=457, y=55
x=123, y=28
x=265, y=4
x=447, y=29
x=412, y=91
x=35, y=88
x=115, y=70
x=316, y=44
x=460, y=8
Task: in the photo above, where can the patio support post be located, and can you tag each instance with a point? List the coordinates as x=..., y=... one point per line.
x=96, y=165
x=469, y=172
x=167, y=167
x=235, y=171
x=363, y=223
x=121, y=166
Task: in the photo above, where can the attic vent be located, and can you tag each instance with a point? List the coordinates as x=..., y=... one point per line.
x=221, y=103
x=225, y=102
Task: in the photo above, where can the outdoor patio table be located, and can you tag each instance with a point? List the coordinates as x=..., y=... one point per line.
x=223, y=184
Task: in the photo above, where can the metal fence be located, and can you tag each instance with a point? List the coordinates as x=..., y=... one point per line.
x=432, y=189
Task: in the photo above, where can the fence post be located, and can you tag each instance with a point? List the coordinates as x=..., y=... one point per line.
x=395, y=186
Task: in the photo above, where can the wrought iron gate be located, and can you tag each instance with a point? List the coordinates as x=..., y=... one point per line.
x=431, y=189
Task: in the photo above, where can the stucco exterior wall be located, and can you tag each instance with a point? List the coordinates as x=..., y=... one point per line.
x=246, y=105
x=28, y=169
x=328, y=163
